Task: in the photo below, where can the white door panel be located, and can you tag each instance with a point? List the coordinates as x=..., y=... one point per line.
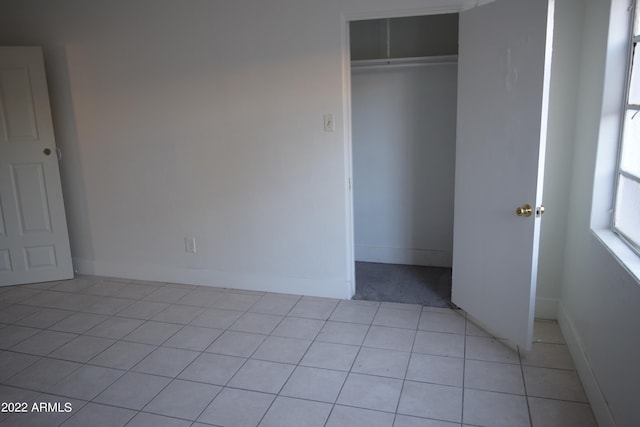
x=34, y=244
x=503, y=79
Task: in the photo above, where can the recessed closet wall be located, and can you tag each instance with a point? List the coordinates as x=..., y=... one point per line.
x=404, y=81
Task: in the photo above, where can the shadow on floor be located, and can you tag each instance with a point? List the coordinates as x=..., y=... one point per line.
x=413, y=284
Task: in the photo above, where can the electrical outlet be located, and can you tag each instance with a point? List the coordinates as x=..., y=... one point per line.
x=329, y=125
x=190, y=244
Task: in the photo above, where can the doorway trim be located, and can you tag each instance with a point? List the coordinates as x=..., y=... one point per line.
x=457, y=6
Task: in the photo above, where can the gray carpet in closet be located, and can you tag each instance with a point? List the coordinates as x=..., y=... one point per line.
x=413, y=284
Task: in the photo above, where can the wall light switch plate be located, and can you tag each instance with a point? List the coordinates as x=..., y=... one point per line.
x=329, y=124
x=190, y=244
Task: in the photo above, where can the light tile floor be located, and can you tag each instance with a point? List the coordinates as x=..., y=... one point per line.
x=135, y=353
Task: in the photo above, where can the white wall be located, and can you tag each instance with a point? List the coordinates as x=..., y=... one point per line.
x=598, y=309
x=404, y=129
x=203, y=118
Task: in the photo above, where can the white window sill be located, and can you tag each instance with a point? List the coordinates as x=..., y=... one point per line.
x=619, y=249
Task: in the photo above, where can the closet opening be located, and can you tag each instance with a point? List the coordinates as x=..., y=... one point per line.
x=403, y=114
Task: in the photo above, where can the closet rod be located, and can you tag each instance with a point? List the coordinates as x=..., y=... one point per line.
x=422, y=61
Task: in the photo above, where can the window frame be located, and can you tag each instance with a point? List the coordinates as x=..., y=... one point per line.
x=610, y=83
x=633, y=42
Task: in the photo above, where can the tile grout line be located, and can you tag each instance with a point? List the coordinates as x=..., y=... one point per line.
x=295, y=366
x=129, y=370
x=333, y=405
x=524, y=384
x=352, y=363
x=464, y=365
x=176, y=377
x=406, y=370
x=253, y=353
x=200, y=353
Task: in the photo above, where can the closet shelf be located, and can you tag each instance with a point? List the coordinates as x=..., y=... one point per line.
x=421, y=61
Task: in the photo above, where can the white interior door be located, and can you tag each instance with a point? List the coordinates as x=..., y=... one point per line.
x=34, y=243
x=503, y=81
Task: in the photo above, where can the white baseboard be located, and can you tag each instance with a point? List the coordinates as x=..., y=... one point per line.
x=429, y=257
x=329, y=288
x=589, y=382
x=546, y=308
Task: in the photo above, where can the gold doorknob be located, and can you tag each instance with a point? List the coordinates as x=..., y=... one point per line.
x=524, y=210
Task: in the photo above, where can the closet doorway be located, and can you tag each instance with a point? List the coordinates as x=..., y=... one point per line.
x=403, y=93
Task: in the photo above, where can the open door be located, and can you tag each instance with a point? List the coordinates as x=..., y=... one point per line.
x=503, y=84
x=34, y=244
